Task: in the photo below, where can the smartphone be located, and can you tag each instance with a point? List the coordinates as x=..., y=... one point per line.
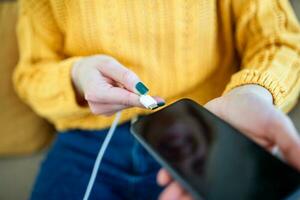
x=211, y=159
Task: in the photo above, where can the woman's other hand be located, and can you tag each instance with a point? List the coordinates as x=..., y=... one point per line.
x=250, y=109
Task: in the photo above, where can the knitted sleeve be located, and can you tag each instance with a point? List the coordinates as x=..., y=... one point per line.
x=42, y=77
x=267, y=37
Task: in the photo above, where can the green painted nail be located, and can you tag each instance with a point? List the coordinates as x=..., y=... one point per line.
x=161, y=104
x=141, y=88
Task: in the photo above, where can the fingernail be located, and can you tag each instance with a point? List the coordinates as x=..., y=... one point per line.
x=159, y=104
x=141, y=88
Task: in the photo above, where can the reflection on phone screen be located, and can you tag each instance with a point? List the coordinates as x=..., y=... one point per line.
x=182, y=139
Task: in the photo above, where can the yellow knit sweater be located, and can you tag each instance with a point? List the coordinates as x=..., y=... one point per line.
x=179, y=48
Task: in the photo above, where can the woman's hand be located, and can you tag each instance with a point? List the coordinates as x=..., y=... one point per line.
x=250, y=109
x=106, y=85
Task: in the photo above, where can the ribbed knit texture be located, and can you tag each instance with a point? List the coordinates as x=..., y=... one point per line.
x=179, y=49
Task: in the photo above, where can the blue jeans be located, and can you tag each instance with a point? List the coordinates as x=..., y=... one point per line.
x=127, y=171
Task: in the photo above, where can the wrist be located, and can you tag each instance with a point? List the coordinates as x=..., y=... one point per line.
x=253, y=89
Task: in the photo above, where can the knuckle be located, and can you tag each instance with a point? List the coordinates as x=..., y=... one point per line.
x=286, y=148
x=91, y=95
x=95, y=110
x=127, y=76
x=127, y=99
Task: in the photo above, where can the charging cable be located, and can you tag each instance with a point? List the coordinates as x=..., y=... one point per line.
x=148, y=102
x=101, y=154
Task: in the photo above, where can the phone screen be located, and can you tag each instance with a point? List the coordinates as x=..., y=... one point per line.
x=210, y=158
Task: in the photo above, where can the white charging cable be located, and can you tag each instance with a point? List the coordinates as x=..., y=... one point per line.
x=148, y=102
x=100, y=155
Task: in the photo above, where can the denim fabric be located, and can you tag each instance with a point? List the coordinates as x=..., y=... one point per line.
x=127, y=171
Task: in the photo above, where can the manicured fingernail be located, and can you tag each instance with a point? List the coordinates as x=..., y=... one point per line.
x=141, y=88
x=159, y=104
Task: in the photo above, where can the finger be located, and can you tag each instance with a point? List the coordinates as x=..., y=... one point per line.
x=163, y=177
x=103, y=109
x=108, y=114
x=173, y=191
x=113, y=69
x=108, y=94
x=186, y=196
x=110, y=81
x=264, y=142
x=114, y=111
x=112, y=95
x=284, y=134
x=159, y=100
x=121, y=96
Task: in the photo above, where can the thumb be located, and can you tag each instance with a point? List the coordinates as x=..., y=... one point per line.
x=163, y=177
x=111, y=68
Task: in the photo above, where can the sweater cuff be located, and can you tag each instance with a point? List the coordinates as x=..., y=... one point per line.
x=265, y=79
x=69, y=94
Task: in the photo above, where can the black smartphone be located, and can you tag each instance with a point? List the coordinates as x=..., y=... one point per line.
x=211, y=159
